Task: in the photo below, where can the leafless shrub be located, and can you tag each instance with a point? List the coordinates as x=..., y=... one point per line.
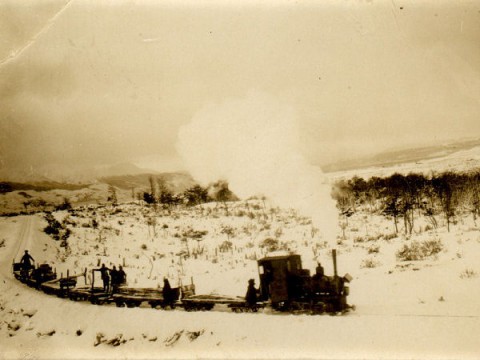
x=358, y=239
x=419, y=250
x=389, y=236
x=278, y=232
x=374, y=249
x=468, y=274
x=369, y=263
x=225, y=246
x=428, y=227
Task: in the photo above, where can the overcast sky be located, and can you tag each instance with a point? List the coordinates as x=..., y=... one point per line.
x=110, y=81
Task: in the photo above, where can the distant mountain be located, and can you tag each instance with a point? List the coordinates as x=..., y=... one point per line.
x=120, y=169
x=15, y=195
x=403, y=156
x=71, y=174
x=448, y=158
x=124, y=176
x=176, y=181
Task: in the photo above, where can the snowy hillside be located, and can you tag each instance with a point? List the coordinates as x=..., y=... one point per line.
x=46, y=195
x=463, y=160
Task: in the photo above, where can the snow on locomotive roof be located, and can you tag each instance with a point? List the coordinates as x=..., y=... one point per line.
x=281, y=254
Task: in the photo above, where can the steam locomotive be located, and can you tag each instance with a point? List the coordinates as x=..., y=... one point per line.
x=284, y=286
x=289, y=287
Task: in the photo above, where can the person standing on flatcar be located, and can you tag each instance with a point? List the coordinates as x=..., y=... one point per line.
x=114, y=279
x=167, y=292
x=27, y=261
x=319, y=270
x=122, y=277
x=105, y=277
x=251, y=296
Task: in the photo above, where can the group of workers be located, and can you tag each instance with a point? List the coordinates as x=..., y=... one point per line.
x=112, y=278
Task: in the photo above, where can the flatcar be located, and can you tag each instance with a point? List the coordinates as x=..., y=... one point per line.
x=34, y=276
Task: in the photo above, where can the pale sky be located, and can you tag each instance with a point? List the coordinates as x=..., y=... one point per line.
x=97, y=82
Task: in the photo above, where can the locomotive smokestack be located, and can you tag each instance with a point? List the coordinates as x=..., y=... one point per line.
x=334, y=257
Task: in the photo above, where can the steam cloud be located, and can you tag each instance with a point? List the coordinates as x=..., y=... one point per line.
x=254, y=144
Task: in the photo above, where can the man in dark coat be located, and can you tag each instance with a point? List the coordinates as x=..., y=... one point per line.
x=27, y=261
x=167, y=292
x=122, y=277
x=114, y=279
x=105, y=277
x=251, y=296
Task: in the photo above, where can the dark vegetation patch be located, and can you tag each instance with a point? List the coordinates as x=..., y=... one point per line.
x=7, y=186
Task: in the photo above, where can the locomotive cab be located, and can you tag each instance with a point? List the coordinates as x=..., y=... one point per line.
x=281, y=278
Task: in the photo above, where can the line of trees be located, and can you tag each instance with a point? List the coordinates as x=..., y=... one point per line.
x=161, y=193
x=406, y=197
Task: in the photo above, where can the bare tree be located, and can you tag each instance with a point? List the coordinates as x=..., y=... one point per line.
x=153, y=191
x=112, y=195
x=444, y=187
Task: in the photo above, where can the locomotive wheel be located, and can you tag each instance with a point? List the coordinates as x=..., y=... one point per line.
x=319, y=308
x=132, y=304
x=119, y=303
x=153, y=304
x=298, y=308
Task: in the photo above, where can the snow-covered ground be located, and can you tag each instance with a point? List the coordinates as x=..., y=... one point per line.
x=404, y=309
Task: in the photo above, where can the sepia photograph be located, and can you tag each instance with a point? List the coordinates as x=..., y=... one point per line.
x=239, y=179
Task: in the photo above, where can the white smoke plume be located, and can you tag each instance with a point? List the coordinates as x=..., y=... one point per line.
x=254, y=144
